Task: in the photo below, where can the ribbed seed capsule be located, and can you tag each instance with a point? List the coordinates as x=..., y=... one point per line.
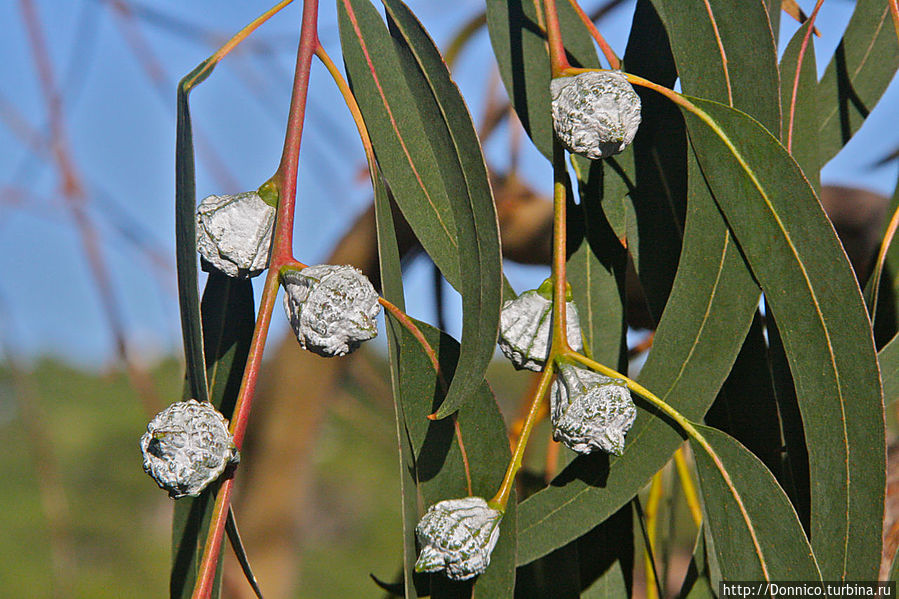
x=186, y=447
x=457, y=536
x=595, y=114
x=525, y=328
x=590, y=411
x=332, y=309
x=234, y=233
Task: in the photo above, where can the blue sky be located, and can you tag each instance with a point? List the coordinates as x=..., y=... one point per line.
x=120, y=128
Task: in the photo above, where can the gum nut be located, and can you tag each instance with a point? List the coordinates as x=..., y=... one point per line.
x=332, y=309
x=234, y=233
x=590, y=411
x=525, y=329
x=457, y=536
x=595, y=114
x=186, y=447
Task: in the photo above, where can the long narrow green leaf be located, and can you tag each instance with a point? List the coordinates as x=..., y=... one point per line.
x=596, y=268
x=400, y=138
x=392, y=290
x=464, y=170
x=725, y=51
x=228, y=320
x=757, y=535
x=796, y=257
x=654, y=171
x=445, y=139
x=519, y=45
x=859, y=72
x=186, y=237
x=799, y=102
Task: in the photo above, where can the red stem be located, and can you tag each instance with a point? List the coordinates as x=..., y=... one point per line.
x=557, y=59
x=282, y=254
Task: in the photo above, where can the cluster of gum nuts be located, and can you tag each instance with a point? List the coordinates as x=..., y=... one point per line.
x=332, y=310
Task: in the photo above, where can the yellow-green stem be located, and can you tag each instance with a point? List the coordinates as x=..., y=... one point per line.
x=559, y=344
x=656, y=491
x=501, y=499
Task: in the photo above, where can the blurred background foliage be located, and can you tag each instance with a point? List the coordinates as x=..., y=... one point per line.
x=89, y=313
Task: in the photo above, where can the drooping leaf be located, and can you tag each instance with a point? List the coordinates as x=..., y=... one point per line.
x=859, y=72
x=216, y=341
x=186, y=236
x=795, y=255
x=757, y=535
x=392, y=290
x=240, y=552
x=726, y=52
x=519, y=45
x=477, y=229
x=228, y=320
x=799, y=103
x=432, y=463
x=398, y=134
x=445, y=137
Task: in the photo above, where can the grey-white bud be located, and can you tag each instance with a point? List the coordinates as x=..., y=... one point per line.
x=590, y=411
x=595, y=114
x=525, y=329
x=234, y=233
x=457, y=536
x=186, y=447
x=332, y=309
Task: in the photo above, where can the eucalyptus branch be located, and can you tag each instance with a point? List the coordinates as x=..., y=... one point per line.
x=282, y=253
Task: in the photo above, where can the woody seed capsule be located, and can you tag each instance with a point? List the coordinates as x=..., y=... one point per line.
x=457, y=536
x=590, y=411
x=332, y=309
x=595, y=114
x=186, y=447
x=525, y=328
x=234, y=233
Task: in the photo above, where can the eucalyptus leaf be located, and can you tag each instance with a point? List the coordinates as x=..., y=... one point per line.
x=757, y=535
x=465, y=172
x=445, y=137
x=862, y=67
x=795, y=255
x=799, y=103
